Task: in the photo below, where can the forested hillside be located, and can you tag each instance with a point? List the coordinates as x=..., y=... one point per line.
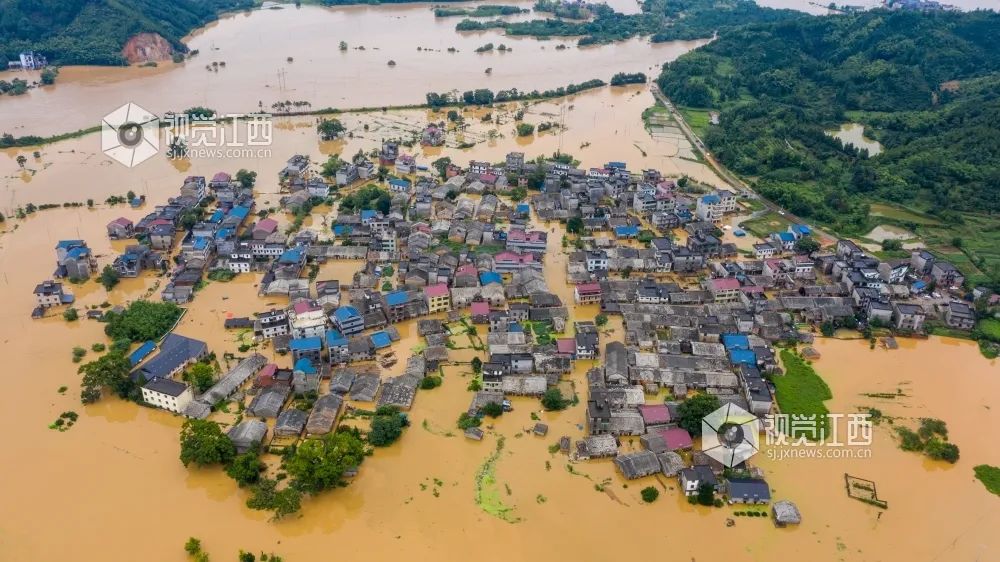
x=926, y=84
x=661, y=20
x=94, y=31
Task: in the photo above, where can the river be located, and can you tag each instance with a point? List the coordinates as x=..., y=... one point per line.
x=255, y=47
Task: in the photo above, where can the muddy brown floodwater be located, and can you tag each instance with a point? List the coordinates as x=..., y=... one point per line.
x=255, y=47
x=112, y=487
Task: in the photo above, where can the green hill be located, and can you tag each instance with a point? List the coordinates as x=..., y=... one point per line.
x=94, y=31
x=926, y=85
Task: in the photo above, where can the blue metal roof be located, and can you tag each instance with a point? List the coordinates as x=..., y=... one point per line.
x=305, y=365
x=293, y=255
x=380, y=340
x=737, y=356
x=200, y=243
x=69, y=243
x=487, y=277
x=342, y=229
x=335, y=339
x=711, y=199
x=802, y=229
x=786, y=236
x=306, y=344
x=345, y=313
x=735, y=341
x=217, y=216
x=141, y=353
x=240, y=212
x=78, y=252
x=619, y=165
x=523, y=208
x=626, y=230
x=224, y=233
x=396, y=298
x=399, y=182
x=367, y=214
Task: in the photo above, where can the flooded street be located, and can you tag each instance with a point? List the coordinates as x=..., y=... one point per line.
x=255, y=47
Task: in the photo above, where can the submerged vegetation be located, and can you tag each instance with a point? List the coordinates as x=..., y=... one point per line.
x=931, y=438
x=801, y=392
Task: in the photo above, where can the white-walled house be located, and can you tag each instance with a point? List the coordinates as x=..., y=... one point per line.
x=167, y=394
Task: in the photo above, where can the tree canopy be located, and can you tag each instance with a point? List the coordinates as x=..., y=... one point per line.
x=694, y=409
x=142, y=321
x=203, y=444
x=318, y=464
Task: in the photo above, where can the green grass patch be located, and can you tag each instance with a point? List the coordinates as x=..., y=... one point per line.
x=902, y=214
x=801, y=392
x=989, y=328
x=989, y=476
x=765, y=224
x=697, y=119
x=657, y=112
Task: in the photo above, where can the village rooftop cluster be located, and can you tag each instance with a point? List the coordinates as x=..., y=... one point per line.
x=457, y=256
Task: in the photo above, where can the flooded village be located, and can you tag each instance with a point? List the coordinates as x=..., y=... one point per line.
x=543, y=310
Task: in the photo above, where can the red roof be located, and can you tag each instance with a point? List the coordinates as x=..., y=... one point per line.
x=265, y=377
x=122, y=221
x=266, y=225
x=480, y=308
x=589, y=288
x=221, y=177
x=566, y=345
x=653, y=414
x=302, y=307
x=467, y=269
x=436, y=290
x=677, y=438
x=726, y=284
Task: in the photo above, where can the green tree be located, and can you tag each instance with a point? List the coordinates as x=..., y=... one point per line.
x=441, y=165
x=109, y=277
x=465, y=421
x=192, y=546
x=318, y=464
x=48, y=76
x=477, y=365
x=265, y=495
x=203, y=444
x=248, y=556
x=525, y=129
x=246, y=178
x=601, y=320
x=574, y=225
x=330, y=129
x=806, y=245
x=107, y=371
x=142, y=321
x=892, y=245
x=201, y=376
x=387, y=426
x=492, y=409
x=246, y=469
x=518, y=194
x=692, y=410
x=706, y=494
x=71, y=315
x=553, y=399
x=21, y=160
x=649, y=494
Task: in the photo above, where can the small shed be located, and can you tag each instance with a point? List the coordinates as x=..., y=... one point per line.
x=785, y=513
x=324, y=414
x=364, y=388
x=247, y=435
x=671, y=463
x=290, y=423
x=540, y=429
x=637, y=465
x=268, y=403
x=341, y=382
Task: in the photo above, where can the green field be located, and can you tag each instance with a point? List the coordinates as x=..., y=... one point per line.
x=765, y=224
x=902, y=214
x=800, y=391
x=989, y=328
x=697, y=119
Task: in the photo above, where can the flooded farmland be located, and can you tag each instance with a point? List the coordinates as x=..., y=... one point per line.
x=255, y=47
